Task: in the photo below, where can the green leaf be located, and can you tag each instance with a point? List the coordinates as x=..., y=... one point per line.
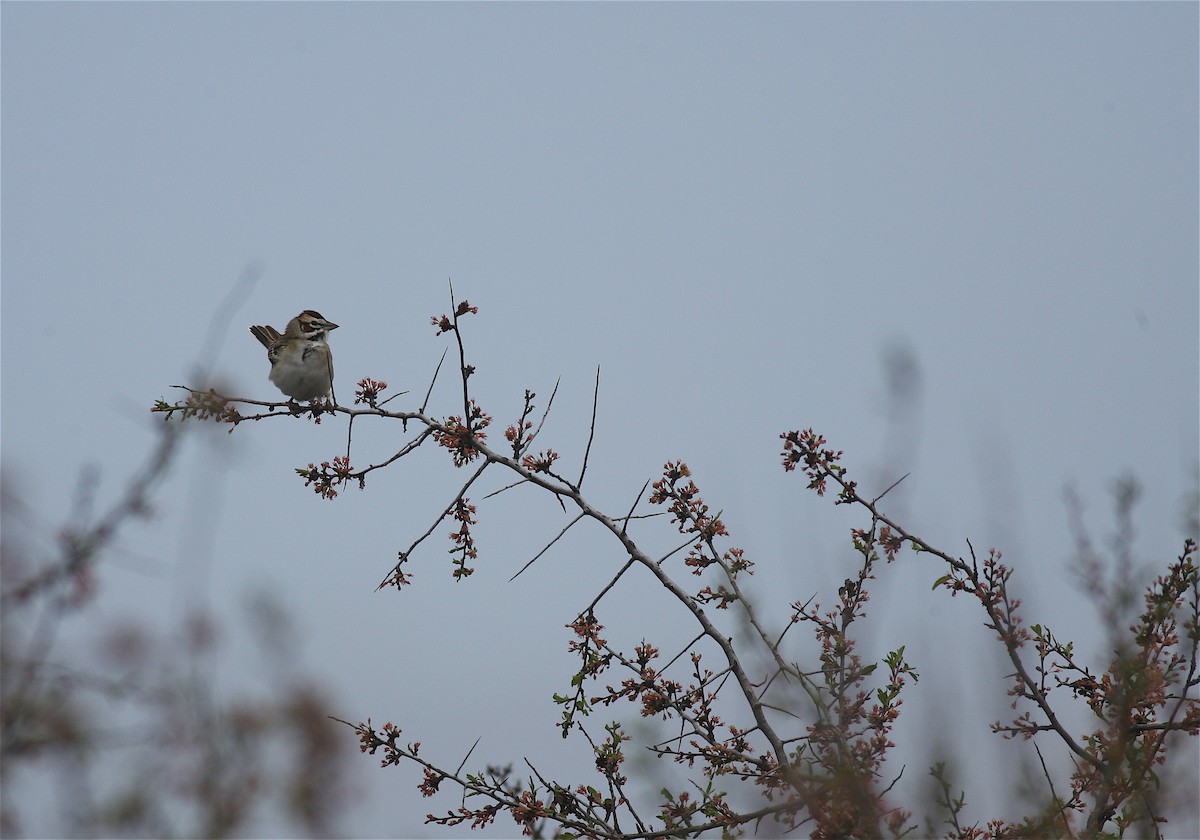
x=940, y=581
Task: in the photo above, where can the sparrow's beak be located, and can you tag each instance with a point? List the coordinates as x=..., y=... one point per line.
x=329, y=325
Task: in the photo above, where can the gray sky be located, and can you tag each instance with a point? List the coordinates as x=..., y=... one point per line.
x=737, y=210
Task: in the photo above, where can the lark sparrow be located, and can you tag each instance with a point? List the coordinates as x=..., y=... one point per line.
x=301, y=361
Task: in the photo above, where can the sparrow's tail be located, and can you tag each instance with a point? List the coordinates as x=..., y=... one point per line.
x=267, y=335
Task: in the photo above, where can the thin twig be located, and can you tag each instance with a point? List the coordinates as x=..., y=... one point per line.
x=434, y=379
x=673, y=552
x=889, y=490
x=903, y=766
x=547, y=548
x=246, y=400
x=549, y=402
x=782, y=710
x=633, y=507
x=1062, y=810
x=463, y=763
x=404, y=555
x=592, y=431
x=462, y=359
x=329, y=366
x=407, y=448
x=506, y=487
x=642, y=516
x=610, y=585
x=685, y=649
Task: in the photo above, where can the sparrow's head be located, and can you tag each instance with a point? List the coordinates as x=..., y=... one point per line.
x=310, y=322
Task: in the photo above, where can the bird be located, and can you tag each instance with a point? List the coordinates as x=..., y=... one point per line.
x=301, y=361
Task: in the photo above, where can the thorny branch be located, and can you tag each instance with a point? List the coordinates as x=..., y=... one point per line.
x=829, y=774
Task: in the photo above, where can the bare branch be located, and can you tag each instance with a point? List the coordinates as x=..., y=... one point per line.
x=404, y=555
x=516, y=483
x=591, y=607
x=625, y=519
x=674, y=551
x=432, y=381
x=463, y=763
x=875, y=501
x=529, y=440
x=547, y=548
x=404, y=450
x=591, y=430
x=1062, y=809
